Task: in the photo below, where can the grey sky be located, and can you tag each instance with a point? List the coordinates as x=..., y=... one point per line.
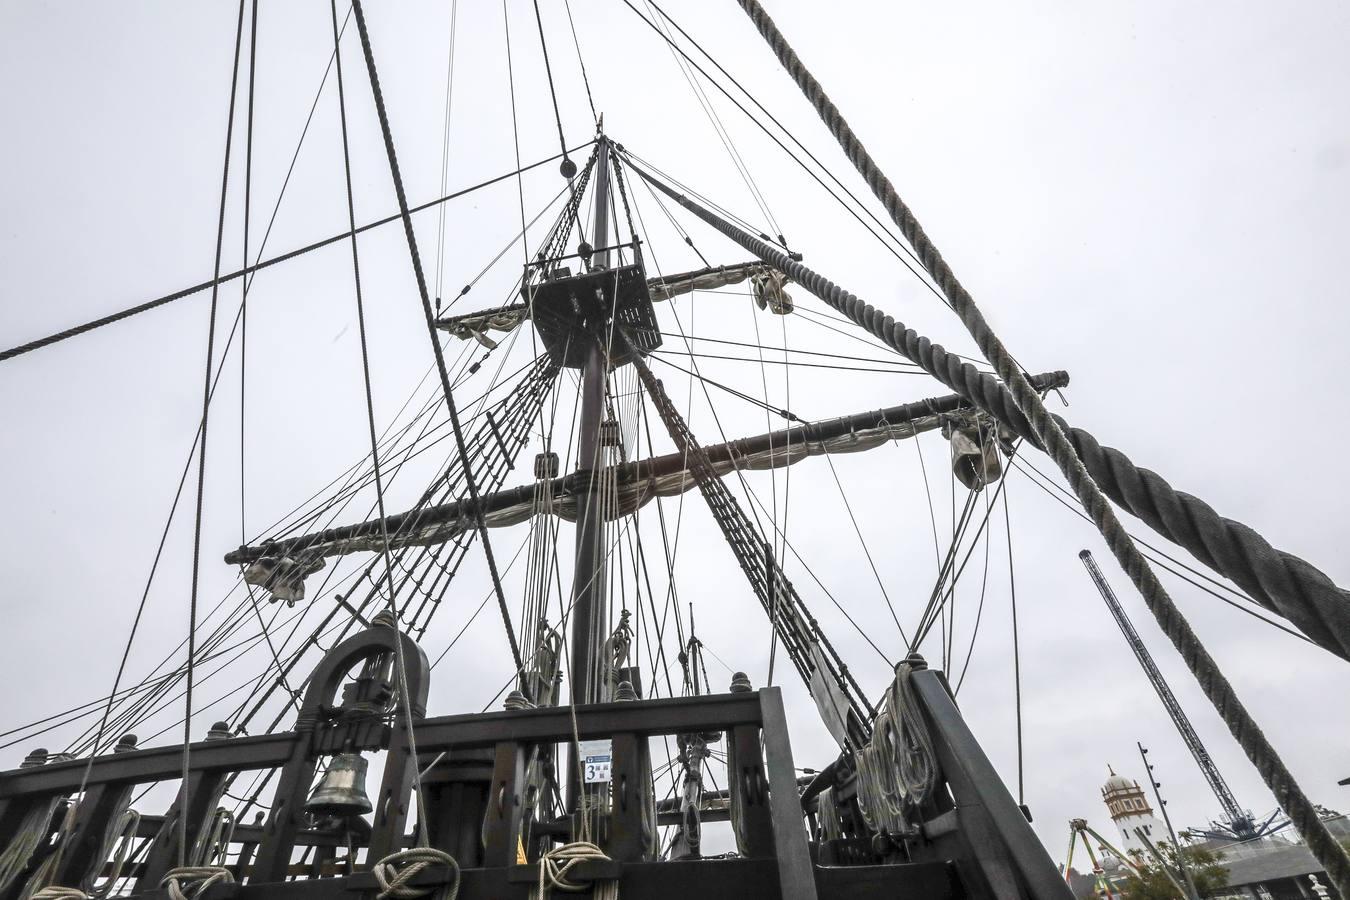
x=1151, y=196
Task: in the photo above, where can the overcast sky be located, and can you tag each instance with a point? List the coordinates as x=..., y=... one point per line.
x=1150, y=196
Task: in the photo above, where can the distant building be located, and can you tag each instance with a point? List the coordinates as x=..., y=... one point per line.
x=1129, y=809
x=1274, y=867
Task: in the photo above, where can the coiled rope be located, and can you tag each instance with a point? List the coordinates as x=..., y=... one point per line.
x=1052, y=438
x=46, y=870
x=56, y=892
x=397, y=870
x=187, y=882
x=897, y=767
x=123, y=836
x=555, y=865
x=827, y=816
x=213, y=844
x=32, y=831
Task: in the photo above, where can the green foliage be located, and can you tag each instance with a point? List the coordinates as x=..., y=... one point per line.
x=1153, y=883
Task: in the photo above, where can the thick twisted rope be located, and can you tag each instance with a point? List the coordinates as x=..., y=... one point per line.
x=1281, y=582
x=1053, y=439
x=187, y=882
x=460, y=447
x=1139, y=484
x=396, y=872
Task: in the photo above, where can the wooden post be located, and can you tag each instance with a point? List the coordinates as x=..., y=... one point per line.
x=505, y=808
x=796, y=874
x=626, y=841
x=204, y=792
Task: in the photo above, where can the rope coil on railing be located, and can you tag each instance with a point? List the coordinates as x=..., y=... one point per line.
x=42, y=876
x=397, y=870
x=827, y=816
x=897, y=767
x=57, y=892
x=1050, y=434
x=556, y=864
x=188, y=882
x=30, y=833
x=121, y=836
x=213, y=843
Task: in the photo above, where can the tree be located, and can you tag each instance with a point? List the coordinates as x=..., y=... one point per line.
x=1152, y=881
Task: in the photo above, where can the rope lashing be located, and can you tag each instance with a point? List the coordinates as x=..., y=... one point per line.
x=396, y=872
x=897, y=767
x=57, y=892
x=1049, y=433
x=189, y=882
x=557, y=864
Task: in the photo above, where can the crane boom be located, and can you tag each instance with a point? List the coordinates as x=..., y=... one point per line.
x=1238, y=820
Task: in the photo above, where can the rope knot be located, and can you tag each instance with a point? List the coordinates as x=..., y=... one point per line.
x=397, y=870
x=189, y=882
x=555, y=865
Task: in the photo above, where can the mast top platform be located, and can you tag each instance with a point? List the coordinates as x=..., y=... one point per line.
x=572, y=311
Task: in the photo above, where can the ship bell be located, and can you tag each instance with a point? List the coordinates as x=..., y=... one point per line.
x=342, y=790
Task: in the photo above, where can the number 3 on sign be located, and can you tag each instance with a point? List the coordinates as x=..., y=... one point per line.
x=597, y=758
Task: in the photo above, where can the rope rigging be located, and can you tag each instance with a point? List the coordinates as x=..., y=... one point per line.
x=1279, y=581
x=445, y=150
x=142, y=707
x=420, y=550
x=201, y=454
x=218, y=280
x=548, y=70
x=1050, y=434
x=401, y=664
x=1157, y=557
x=430, y=318
x=887, y=240
x=800, y=634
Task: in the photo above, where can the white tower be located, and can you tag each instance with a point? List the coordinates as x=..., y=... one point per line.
x=1130, y=810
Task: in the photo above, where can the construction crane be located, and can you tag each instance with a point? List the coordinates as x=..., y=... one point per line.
x=1239, y=823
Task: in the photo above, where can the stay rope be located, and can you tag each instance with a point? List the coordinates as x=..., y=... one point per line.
x=406, y=215
x=405, y=698
x=1331, y=854
x=201, y=453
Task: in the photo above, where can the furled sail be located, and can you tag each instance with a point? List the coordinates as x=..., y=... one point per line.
x=637, y=483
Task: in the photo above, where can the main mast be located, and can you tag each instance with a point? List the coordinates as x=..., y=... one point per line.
x=588, y=584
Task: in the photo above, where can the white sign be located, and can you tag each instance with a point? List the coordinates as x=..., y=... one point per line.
x=597, y=760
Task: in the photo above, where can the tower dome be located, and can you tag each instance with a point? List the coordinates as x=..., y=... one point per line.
x=1117, y=783
x=1130, y=810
